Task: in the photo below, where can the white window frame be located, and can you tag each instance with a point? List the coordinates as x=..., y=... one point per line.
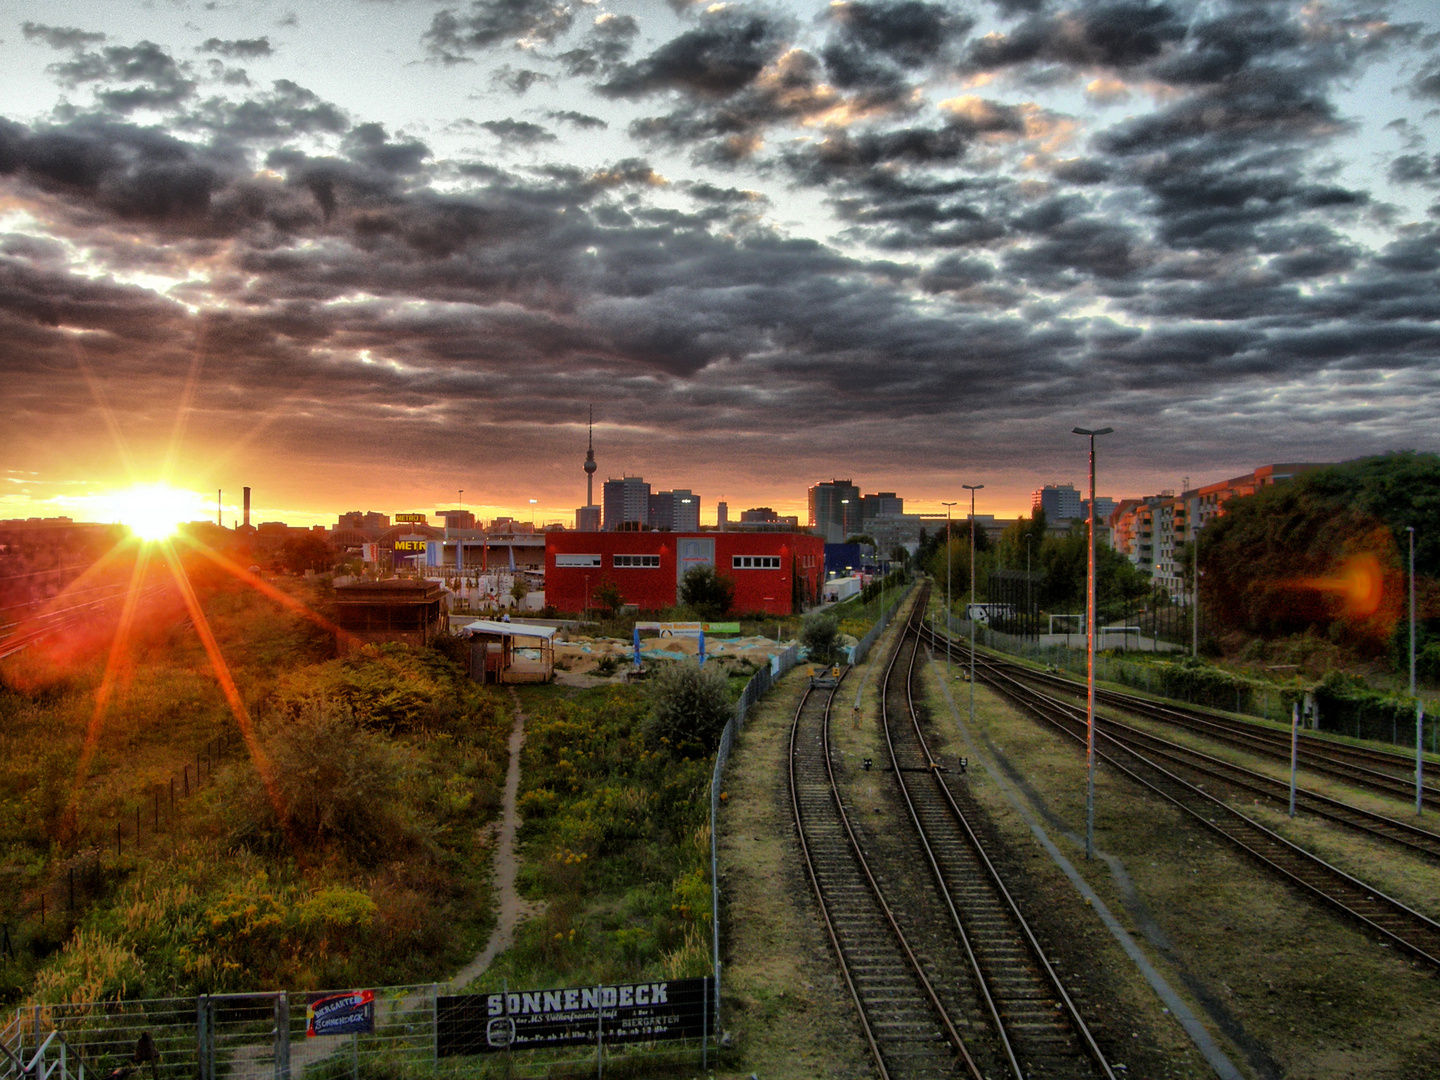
x=651, y=562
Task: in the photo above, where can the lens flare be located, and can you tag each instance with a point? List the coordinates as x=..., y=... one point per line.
x=153, y=511
x=1360, y=583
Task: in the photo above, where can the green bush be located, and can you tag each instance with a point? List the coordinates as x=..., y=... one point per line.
x=690, y=706
x=820, y=636
x=708, y=592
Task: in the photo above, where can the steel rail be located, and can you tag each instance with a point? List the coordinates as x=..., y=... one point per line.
x=1344, y=762
x=862, y=872
x=1403, y=926
x=1044, y=977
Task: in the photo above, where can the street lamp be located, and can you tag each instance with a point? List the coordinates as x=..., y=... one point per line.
x=972, y=488
x=947, y=586
x=1419, y=712
x=1090, y=654
x=1029, y=621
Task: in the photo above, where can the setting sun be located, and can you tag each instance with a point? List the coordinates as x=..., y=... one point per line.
x=153, y=511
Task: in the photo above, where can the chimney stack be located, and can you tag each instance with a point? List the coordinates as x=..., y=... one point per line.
x=247, y=508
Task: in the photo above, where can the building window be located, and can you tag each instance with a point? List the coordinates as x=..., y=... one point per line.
x=577, y=560
x=756, y=562
x=636, y=561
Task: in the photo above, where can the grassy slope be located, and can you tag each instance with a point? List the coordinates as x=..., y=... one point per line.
x=224, y=896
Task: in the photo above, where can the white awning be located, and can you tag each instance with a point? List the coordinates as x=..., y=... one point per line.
x=509, y=629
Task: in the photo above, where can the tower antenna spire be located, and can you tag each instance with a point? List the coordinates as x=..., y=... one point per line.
x=590, y=465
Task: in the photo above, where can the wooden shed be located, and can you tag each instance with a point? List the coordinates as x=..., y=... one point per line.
x=504, y=652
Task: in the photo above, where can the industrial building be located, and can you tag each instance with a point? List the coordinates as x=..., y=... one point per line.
x=778, y=573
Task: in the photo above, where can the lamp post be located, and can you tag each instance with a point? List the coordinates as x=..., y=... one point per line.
x=1419, y=712
x=1090, y=653
x=947, y=586
x=1029, y=606
x=972, y=488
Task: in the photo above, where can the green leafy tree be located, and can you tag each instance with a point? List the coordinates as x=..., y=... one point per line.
x=861, y=538
x=690, y=706
x=709, y=593
x=519, y=590
x=608, y=598
x=820, y=635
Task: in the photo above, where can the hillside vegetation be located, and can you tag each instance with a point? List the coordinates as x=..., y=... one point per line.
x=361, y=861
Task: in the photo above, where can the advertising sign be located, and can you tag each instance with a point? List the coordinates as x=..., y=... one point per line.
x=574, y=1016
x=412, y=519
x=689, y=629
x=340, y=1014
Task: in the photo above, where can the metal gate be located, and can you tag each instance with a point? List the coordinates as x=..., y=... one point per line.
x=243, y=1036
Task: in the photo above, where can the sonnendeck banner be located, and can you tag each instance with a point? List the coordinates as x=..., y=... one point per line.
x=575, y=1016
x=340, y=1014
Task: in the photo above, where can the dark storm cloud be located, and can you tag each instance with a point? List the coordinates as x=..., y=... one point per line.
x=1201, y=225
x=519, y=81
x=286, y=110
x=60, y=37
x=124, y=170
x=609, y=42
x=488, y=23
x=246, y=48
x=164, y=82
x=584, y=121
x=714, y=60
x=520, y=131
x=1426, y=82
x=1119, y=36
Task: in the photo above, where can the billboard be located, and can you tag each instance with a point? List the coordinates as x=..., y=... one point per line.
x=412, y=519
x=350, y=1013
x=574, y=1016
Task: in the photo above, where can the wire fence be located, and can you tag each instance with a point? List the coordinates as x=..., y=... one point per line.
x=266, y=1036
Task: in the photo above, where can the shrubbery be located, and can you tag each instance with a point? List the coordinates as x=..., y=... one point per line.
x=616, y=840
x=690, y=706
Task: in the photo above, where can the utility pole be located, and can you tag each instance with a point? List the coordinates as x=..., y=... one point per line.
x=1090, y=655
x=947, y=587
x=972, y=488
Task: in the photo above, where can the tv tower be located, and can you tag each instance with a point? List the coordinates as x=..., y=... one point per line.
x=587, y=517
x=590, y=465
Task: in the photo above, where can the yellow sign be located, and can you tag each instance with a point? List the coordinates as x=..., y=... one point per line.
x=409, y=545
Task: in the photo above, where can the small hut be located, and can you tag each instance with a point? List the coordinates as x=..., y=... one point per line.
x=505, y=652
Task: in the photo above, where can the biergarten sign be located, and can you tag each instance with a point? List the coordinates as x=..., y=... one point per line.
x=350, y=1013
x=574, y=1016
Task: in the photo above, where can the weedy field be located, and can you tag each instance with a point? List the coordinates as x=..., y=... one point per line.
x=147, y=852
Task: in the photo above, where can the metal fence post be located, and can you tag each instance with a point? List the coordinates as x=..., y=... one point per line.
x=282, y=1036
x=202, y=1037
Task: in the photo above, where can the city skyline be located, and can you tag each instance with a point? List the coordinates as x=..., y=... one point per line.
x=379, y=253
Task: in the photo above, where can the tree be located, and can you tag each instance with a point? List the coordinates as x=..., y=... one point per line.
x=820, y=635
x=689, y=707
x=300, y=553
x=709, y=593
x=861, y=538
x=608, y=598
x=519, y=590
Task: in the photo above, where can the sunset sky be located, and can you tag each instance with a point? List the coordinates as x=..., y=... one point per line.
x=364, y=255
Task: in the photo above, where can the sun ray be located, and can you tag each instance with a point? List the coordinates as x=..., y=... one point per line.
x=51, y=606
x=103, y=693
x=262, y=586
x=106, y=412
x=187, y=397
x=257, y=753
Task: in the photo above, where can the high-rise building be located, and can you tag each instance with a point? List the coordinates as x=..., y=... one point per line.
x=457, y=519
x=1061, y=502
x=587, y=519
x=369, y=519
x=881, y=504
x=675, y=511
x=758, y=514
x=722, y=515
x=835, y=510
x=626, y=500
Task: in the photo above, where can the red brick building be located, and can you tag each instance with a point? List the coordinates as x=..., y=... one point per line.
x=777, y=573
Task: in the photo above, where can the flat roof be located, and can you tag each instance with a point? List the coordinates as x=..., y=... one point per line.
x=507, y=629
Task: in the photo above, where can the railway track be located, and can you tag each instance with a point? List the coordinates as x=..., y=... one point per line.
x=1380, y=771
x=906, y=1024
x=1034, y=1028
x=1395, y=923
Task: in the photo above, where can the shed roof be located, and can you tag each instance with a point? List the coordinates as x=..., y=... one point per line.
x=504, y=629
